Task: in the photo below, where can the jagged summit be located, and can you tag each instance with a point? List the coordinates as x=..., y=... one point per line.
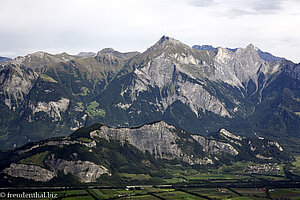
x=169, y=46
x=163, y=39
x=167, y=39
x=250, y=47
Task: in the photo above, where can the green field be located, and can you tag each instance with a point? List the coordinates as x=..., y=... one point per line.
x=47, y=78
x=84, y=91
x=100, y=195
x=296, y=169
x=252, y=193
x=36, y=159
x=285, y=194
x=76, y=192
x=143, y=197
x=177, y=195
x=135, y=176
x=80, y=104
x=213, y=192
x=240, y=198
x=79, y=198
x=93, y=111
x=152, y=193
x=84, y=139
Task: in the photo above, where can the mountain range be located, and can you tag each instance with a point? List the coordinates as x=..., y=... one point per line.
x=201, y=90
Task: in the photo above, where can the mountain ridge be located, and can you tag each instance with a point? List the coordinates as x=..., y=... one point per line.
x=200, y=91
x=96, y=152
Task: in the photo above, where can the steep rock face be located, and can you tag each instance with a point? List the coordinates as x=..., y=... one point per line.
x=163, y=72
x=86, y=171
x=52, y=108
x=32, y=172
x=165, y=141
x=160, y=139
x=238, y=68
x=16, y=83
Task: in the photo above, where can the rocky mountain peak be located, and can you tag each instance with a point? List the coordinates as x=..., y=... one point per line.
x=168, y=40
x=107, y=50
x=251, y=46
x=170, y=47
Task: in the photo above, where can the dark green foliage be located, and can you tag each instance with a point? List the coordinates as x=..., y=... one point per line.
x=85, y=131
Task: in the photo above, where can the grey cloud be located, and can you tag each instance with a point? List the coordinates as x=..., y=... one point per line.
x=202, y=3
x=258, y=8
x=267, y=5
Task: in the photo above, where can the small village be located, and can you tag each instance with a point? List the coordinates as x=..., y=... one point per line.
x=263, y=168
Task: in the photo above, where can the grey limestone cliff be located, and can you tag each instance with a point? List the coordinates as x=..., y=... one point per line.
x=86, y=171
x=164, y=141
x=31, y=172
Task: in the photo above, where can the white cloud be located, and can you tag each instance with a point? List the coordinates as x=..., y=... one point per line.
x=90, y=25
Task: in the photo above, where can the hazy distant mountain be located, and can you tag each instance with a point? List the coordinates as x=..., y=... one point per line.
x=86, y=54
x=4, y=59
x=204, y=47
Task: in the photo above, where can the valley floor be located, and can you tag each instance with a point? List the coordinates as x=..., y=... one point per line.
x=162, y=192
x=239, y=181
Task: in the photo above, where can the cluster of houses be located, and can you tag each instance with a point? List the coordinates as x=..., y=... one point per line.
x=263, y=168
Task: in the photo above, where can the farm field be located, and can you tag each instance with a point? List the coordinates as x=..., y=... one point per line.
x=153, y=193
x=296, y=168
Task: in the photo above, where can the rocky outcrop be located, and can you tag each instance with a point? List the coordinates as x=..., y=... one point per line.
x=159, y=138
x=31, y=172
x=231, y=137
x=86, y=171
x=163, y=141
x=52, y=108
x=276, y=145
x=16, y=83
x=263, y=157
x=214, y=147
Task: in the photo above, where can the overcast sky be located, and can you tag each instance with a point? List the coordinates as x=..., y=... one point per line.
x=72, y=26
